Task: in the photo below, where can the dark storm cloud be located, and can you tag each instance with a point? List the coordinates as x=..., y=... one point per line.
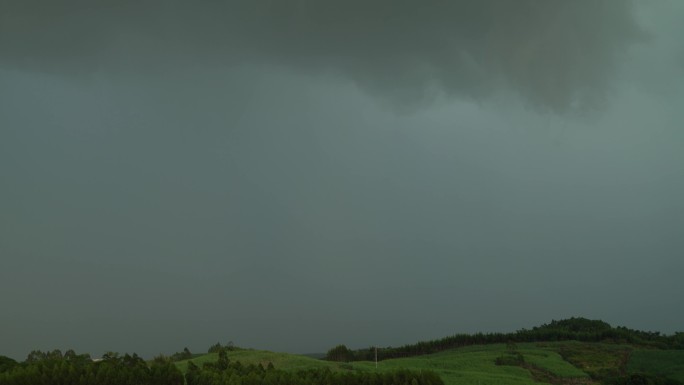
x=173, y=174
x=557, y=55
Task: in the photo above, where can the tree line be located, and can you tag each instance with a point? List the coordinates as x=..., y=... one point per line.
x=55, y=368
x=576, y=328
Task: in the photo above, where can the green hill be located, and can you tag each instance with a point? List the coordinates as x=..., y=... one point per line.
x=575, y=351
x=668, y=363
x=571, y=351
x=477, y=365
x=571, y=329
x=466, y=365
x=283, y=361
x=558, y=362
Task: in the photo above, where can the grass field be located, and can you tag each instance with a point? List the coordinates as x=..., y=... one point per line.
x=598, y=360
x=284, y=361
x=562, y=362
x=668, y=363
x=467, y=365
x=470, y=365
x=548, y=359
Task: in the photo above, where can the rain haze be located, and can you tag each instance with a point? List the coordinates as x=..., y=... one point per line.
x=291, y=175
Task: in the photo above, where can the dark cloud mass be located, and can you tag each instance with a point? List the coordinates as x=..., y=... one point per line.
x=292, y=175
x=558, y=55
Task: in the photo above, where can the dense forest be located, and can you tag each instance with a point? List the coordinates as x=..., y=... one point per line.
x=576, y=328
x=55, y=368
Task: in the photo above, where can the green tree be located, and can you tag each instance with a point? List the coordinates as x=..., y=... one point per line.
x=6, y=364
x=340, y=353
x=215, y=348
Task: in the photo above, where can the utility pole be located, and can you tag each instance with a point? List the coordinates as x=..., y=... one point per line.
x=376, y=357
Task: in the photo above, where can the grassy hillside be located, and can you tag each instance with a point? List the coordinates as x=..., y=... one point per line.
x=571, y=329
x=558, y=363
x=571, y=350
x=283, y=361
x=668, y=363
x=598, y=360
x=466, y=365
x=552, y=357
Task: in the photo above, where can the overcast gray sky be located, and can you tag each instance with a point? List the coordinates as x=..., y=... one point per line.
x=291, y=175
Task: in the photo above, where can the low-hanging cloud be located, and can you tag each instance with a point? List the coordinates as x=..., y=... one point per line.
x=556, y=55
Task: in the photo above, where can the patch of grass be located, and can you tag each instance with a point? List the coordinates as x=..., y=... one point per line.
x=283, y=361
x=552, y=362
x=598, y=360
x=667, y=363
x=468, y=365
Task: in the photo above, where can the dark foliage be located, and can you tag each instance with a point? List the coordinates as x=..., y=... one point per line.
x=642, y=379
x=578, y=329
x=340, y=353
x=70, y=368
x=217, y=347
x=6, y=364
x=180, y=356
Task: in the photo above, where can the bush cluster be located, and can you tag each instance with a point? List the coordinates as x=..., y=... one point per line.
x=56, y=368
